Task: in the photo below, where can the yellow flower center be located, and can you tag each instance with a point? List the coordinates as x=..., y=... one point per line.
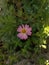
x=23, y=31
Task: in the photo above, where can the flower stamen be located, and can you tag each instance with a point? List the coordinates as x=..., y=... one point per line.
x=23, y=31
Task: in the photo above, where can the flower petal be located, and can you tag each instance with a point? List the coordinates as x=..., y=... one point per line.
x=26, y=26
x=29, y=31
x=19, y=29
x=22, y=26
x=25, y=36
x=22, y=36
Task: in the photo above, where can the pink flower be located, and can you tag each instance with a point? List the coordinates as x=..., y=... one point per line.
x=24, y=32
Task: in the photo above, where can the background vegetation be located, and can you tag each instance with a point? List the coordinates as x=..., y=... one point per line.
x=14, y=13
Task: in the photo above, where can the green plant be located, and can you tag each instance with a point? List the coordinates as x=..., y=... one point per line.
x=15, y=13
